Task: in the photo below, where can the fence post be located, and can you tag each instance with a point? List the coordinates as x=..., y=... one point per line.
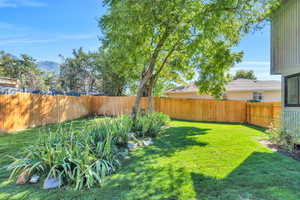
x=247, y=110
x=272, y=115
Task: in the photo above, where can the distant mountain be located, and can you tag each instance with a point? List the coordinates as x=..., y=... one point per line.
x=47, y=66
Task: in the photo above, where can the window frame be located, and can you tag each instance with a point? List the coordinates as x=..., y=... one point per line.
x=286, y=104
x=257, y=94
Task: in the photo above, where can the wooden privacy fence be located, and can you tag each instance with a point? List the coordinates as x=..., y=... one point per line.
x=25, y=110
x=264, y=114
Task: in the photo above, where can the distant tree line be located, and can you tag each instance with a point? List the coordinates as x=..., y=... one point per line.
x=97, y=72
x=82, y=72
x=244, y=74
x=23, y=68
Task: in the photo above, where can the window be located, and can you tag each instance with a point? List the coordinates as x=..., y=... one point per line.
x=292, y=91
x=257, y=96
x=224, y=96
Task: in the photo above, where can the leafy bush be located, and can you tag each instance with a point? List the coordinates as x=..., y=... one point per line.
x=283, y=138
x=84, y=158
x=150, y=124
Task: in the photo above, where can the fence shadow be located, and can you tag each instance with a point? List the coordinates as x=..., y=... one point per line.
x=260, y=176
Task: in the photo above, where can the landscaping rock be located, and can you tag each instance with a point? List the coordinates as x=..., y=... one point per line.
x=125, y=152
x=131, y=135
x=24, y=177
x=34, y=179
x=52, y=183
x=131, y=145
x=148, y=142
x=127, y=157
x=141, y=143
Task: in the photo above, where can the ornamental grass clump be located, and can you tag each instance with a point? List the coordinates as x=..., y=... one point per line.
x=150, y=124
x=83, y=158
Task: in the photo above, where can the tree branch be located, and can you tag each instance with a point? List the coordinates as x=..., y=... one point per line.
x=166, y=59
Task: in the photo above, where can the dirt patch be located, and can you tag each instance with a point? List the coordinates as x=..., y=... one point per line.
x=275, y=148
x=2, y=131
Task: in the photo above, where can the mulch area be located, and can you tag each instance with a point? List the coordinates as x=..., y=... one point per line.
x=295, y=155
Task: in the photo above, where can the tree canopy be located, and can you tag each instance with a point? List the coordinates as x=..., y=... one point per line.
x=156, y=38
x=23, y=68
x=245, y=75
x=77, y=73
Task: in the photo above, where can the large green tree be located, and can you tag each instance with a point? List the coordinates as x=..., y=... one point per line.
x=113, y=79
x=245, y=74
x=78, y=73
x=23, y=68
x=93, y=72
x=156, y=36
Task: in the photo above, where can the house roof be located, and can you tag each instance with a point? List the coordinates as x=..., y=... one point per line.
x=8, y=82
x=236, y=85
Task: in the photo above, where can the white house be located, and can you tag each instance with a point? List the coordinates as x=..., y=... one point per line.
x=240, y=89
x=285, y=59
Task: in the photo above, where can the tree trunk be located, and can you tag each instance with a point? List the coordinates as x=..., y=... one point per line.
x=150, y=95
x=148, y=73
x=136, y=106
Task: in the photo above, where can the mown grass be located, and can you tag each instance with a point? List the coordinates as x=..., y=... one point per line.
x=190, y=161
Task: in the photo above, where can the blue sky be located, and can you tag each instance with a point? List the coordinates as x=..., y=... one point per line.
x=46, y=28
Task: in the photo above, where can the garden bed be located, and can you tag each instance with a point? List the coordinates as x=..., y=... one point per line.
x=189, y=161
x=276, y=148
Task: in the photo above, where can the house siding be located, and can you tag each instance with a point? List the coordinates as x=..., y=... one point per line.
x=268, y=96
x=189, y=95
x=285, y=39
x=285, y=53
x=290, y=115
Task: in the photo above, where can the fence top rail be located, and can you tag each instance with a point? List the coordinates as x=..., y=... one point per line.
x=211, y=100
x=264, y=102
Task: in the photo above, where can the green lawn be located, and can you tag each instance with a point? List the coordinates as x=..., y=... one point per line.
x=190, y=161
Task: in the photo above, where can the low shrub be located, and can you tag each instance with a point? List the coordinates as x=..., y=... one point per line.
x=283, y=138
x=83, y=158
x=150, y=124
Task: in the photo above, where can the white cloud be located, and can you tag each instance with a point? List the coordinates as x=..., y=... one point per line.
x=25, y=41
x=255, y=63
x=38, y=40
x=21, y=3
x=77, y=36
x=11, y=34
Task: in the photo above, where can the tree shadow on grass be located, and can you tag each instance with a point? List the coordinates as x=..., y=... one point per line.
x=261, y=176
x=139, y=177
x=153, y=173
x=175, y=139
x=142, y=178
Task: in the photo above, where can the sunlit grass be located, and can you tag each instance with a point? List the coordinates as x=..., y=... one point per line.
x=190, y=161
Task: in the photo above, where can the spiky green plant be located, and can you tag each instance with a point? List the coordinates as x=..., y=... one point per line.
x=83, y=158
x=150, y=124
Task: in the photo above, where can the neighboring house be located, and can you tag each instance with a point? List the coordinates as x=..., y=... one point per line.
x=241, y=89
x=285, y=59
x=9, y=82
